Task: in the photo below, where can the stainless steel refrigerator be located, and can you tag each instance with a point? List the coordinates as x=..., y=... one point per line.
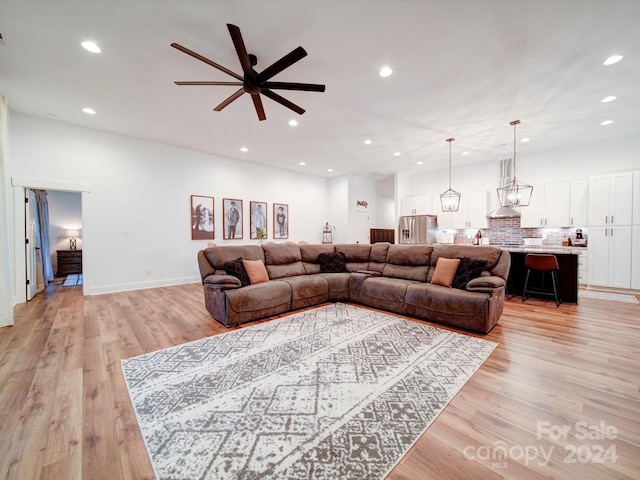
x=418, y=229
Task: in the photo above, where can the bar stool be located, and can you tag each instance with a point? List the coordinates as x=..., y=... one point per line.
x=541, y=262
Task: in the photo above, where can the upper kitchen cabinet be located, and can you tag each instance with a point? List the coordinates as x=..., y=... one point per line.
x=579, y=203
x=472, y=212
x=420, y=205
x=610, y=199
x=549, y=206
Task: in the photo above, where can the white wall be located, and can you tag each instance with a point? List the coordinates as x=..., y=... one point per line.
x=136, y=205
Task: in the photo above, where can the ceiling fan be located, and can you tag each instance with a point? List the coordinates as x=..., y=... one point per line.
x=252, y=82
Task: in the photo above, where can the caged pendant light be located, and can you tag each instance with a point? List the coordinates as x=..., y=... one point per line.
x=514, y=193
x=450, y=200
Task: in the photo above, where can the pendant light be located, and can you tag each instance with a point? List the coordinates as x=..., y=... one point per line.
x=450, y=200
x=514, y=193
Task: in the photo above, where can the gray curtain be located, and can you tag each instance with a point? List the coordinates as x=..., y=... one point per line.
x=6, y=306
x=42, y=235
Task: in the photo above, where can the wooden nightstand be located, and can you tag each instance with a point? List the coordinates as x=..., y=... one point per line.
x=69, y=261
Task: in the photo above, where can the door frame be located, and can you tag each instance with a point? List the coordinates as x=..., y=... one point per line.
x=19, y=185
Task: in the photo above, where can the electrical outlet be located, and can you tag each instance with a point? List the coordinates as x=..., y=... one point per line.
x=149, y=271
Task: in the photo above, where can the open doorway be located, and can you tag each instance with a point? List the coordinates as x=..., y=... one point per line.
x=63, y=248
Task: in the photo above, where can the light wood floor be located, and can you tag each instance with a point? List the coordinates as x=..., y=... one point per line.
x=65, y=412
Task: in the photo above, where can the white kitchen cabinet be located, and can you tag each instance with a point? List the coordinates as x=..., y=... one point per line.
x=635, y=257
x=583, y=262
x=579, y=203
x=609, y=258
x=472, y=212
x=418, y=205
x=610, y=199
x=549, y=206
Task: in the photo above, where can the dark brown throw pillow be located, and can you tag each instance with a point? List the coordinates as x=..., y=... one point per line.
x=332, y=262
x=468, y=270
x=236, y=268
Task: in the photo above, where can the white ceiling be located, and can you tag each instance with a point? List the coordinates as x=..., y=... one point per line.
x=462, y=69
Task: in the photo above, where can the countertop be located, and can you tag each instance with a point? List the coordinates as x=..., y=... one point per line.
x=543, y=249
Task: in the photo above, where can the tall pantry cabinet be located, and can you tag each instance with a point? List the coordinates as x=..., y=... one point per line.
x=611, y=201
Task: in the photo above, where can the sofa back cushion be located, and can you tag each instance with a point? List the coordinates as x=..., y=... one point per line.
x=357, y=255
x=219, y=256
x=410, y=262
x=283, y=259
x=378, y=257
x=473, y=252
x=310, y=255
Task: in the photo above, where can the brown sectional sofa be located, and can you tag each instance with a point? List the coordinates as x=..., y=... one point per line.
x=395, y=278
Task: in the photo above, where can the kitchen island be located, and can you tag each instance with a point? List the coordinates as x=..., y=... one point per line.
x=567, y=273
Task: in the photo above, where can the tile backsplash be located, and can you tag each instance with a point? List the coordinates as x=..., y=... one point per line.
x=507, y=231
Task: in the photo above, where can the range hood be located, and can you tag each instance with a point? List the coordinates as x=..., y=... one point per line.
x=506, y=169
x=504, y=212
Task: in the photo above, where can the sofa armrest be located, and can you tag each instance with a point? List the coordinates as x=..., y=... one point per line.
x=485, y=283
x=222, y=281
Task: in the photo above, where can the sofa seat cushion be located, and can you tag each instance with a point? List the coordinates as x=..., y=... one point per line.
x=338, y=284
x=441, y=299
x=385, y=293
x=259, y=297
x=303, y=286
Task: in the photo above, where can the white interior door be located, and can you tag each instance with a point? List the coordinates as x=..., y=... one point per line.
x=359, y=229
x=31, y=216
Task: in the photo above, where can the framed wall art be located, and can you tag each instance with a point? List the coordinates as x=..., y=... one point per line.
x=258, y=220
x=232, y=218
x=202, y=219
x=280, y=220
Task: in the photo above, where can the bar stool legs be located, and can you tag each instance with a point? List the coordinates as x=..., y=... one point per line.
x=542, y=263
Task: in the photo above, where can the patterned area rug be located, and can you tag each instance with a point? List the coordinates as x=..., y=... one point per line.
x=72, y=280
x=336, y=392
x=613, y=297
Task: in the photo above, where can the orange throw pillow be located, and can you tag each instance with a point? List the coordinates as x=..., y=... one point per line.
x=256, y=271
x=445, y=271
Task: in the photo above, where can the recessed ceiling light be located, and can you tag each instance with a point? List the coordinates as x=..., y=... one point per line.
x=385, y=71
x=329, y=169
x=525, y=140
x=91, y=46
x=89, y=111
x=419, y=162
x=607, y=122
x=465, y=153
x=396, y=154
x=293, y=123
x=367, y=141
x=612, y=59
x=302, y=163
x=609, y=98
x=244, y=149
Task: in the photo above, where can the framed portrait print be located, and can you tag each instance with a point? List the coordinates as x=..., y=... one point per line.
x=258, y=220
x=232, y=218
x=202, y=220
x=280, y=220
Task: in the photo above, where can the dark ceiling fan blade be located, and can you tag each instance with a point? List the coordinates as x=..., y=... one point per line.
x=257, y=102
x=228, y=84
x=282, y=101
x=307, y=87
x=233, y=97
x=206, y=60
x=241, y=50
x=279, y=65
